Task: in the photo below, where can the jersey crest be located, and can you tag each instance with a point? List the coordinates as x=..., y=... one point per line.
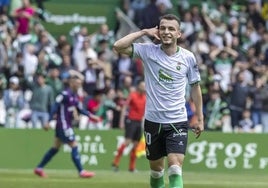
x=178, y=67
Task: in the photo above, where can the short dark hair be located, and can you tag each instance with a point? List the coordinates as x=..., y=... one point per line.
x=170, y=17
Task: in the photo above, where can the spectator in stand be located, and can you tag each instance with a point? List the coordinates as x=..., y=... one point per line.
x=150, y=15
x=196, y=18
x=256, y=101
x=127, y=9
x=109, y=105
x=122, y=67
x=164, y=6
x=250, y=36
x=239, y=99
x=251, y=62
x=188, y=28
x=66, y=66
x=17, y=68
x=54, y=80
x=63, y=46
x=41, y=101
x=61, y=40
x=107, y=52
x=246, y=124
x=254, y=13
x=264, y=112
x=5, y=41
x=92, y=75
x=79, y=35
x=223, y=59
x=120, y=101
x=216, y=112
x=44, y=43
x=30, y=61
x=81, y=56
x=217, y=29
x=127, y=86
x=3, y=56
x=106, y=65
x=104, y=33
x=14, y=102
x=262, y=48
x=23, y=16
x=138, y=6
x=95, y=106
x=3, y=86
x=4, y=4
x=201, y=48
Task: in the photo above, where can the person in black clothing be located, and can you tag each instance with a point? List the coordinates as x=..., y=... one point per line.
x=238, y=99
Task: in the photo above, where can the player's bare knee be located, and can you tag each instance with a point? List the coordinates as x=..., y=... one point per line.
x=157, y=165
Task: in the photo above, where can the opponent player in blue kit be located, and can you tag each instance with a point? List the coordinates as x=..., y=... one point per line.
x=63, y=110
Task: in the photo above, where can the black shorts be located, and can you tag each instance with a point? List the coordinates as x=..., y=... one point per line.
x=133, y=129
x=162, y=139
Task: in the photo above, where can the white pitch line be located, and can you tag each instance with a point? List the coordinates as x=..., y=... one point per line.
x=224, y=182
x=202, y=182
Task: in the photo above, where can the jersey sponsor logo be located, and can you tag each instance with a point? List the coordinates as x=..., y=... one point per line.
x=164, y=77
x=179, y=133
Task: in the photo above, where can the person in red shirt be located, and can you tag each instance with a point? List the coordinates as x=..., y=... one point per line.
x=132, y=123
x=23, y=16
x=95, y=106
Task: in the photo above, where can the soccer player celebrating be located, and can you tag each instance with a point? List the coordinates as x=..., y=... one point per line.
x=167, y=68
x=64, y=107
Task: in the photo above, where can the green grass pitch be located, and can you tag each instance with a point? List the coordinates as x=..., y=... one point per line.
x=123, y=179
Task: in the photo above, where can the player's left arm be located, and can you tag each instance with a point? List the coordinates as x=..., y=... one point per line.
x=83, y=111
x=53, y=110
x=196, y=96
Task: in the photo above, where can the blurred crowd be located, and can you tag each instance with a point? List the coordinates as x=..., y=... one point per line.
x=229, y=40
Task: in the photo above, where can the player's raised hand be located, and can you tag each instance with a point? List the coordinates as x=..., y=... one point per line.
x=153, y=32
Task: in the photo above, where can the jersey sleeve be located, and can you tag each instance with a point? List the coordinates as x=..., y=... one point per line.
x=81, y=110
x=193, y=70
x=140, y=50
